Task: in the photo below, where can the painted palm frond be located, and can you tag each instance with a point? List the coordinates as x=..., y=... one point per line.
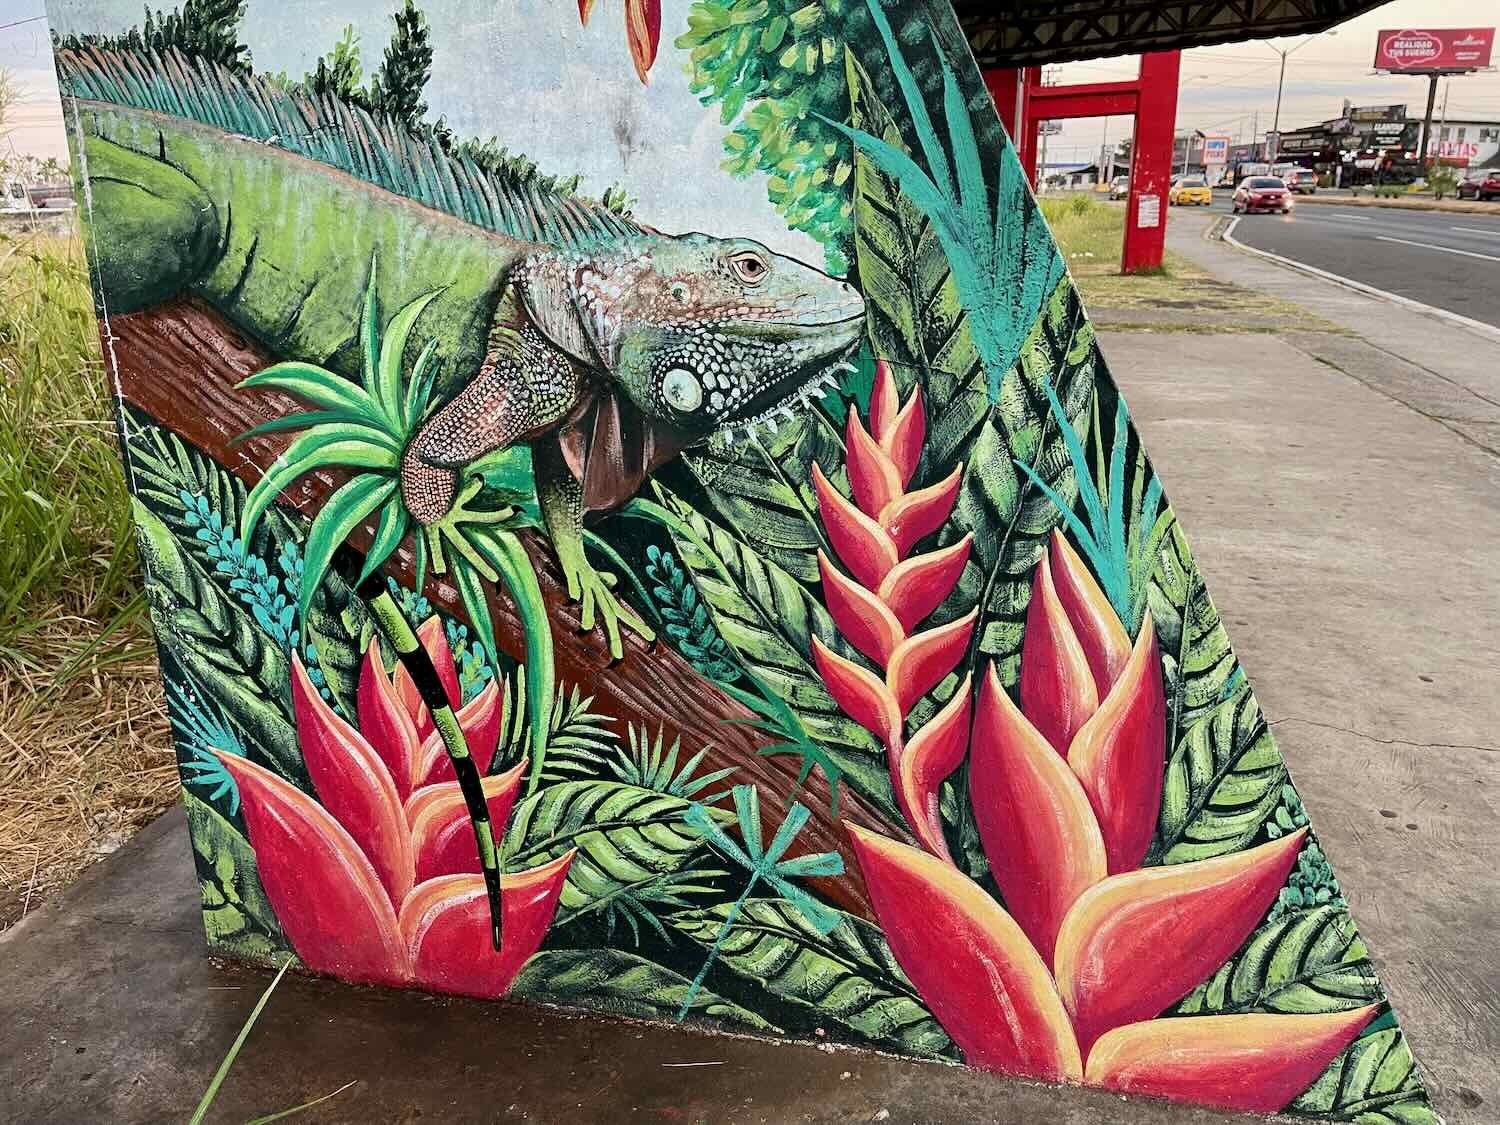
x=651, y=764
x=1003, y=259
x=765, y=864
x=363, y=427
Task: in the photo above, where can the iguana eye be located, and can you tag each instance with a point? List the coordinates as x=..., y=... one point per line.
x=749, y=267
x=681, y=389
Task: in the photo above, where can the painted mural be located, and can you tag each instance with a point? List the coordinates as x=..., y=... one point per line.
x=636, y=517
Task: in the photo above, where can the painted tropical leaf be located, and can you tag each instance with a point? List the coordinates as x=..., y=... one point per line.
x=1223, y=780
x=848, y=976
x=1375, y=1082
x=1009, y=516
x=1307, y=962
x=181, y=485
x=916, y=319
x=762, y=488
x=625, y=836
x=625, y=984
x=769, y=618
x=1198, y=665
x=236, y=913
x=215, y=639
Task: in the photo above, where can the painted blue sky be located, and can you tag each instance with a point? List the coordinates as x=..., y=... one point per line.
x=525, y=72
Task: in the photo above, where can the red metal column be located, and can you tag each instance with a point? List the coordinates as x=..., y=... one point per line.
x=1005, y=87
x=1023, y=102
x=1030, y=124
x=1151, y=162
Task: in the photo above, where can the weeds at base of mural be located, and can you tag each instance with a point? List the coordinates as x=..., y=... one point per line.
x=907, y=715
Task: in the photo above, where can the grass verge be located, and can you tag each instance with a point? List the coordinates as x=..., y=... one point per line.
x=1179, y=297
x=85, y=757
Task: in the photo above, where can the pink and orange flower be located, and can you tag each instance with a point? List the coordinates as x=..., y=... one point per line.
x=380, y=882
x=1068, y=979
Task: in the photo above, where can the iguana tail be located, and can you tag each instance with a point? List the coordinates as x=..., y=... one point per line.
x=414, y=657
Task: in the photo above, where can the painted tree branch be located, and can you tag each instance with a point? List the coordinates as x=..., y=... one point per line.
x=180, y=363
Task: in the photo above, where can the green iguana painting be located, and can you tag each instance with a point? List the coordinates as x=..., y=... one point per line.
x=647, y=525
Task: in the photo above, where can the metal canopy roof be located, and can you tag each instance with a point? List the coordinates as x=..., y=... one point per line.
x=1030, y=32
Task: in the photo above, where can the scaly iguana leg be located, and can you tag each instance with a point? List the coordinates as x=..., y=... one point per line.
x=561, y=496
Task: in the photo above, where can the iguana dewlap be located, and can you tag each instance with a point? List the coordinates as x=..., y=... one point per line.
x=606, y=359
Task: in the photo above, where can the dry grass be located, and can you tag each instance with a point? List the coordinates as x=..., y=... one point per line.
x=85, y=758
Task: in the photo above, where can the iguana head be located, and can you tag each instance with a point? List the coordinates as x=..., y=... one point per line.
x=701, y=335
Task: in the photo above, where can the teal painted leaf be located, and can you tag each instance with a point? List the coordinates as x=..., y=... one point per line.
x=1223, y=780
x=625, y=835
x=848, y=976
x=1008, y=514
x=215, y=639
x=916, y=319
x=1307, y=962
x=236, y=913
x=624, y=984
x=1374, y=1082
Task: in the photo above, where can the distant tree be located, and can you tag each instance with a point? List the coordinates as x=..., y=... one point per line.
x=8, y=96
x=339, y=72
x=1441, y=181
x=202, y=28
x=396, y=89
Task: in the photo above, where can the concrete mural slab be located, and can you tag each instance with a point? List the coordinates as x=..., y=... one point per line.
x=700, y=569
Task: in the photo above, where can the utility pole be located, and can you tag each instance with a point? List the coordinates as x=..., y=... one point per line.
x=1443, y=115
x=1276, y=124
x=1275, y=150
x=1432, y=81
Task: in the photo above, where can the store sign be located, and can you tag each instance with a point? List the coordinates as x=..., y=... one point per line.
x=1466, y=48
x=1365, y=114
x=1216, y=150
x=1304, y=142
x=1467, y=149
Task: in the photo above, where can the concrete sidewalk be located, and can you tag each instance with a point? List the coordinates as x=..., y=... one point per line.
x=1345, y=515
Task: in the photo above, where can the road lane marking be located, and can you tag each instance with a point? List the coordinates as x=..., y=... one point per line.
x=1442, y=249
x=1489, y=331
x=1351, y=218
x=1476, y=230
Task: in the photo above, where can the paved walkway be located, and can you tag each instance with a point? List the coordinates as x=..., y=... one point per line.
x=1346, y=517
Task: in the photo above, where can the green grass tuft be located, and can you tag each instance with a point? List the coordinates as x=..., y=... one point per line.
x=65, y=547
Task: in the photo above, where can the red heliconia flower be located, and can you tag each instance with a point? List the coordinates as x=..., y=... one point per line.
x=1067, y=979
x=1097, y=699
x=381, y=882
x=394, y=720
x=1128, y=948
x=642, y=31
x=879, y=608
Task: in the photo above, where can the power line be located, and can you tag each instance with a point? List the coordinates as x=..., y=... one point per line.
x=19, y=23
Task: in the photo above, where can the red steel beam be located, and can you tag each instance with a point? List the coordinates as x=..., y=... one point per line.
x=1151, y=99
x=1151, y=162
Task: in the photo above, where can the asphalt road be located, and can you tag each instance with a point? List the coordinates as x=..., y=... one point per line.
x=1450, y=261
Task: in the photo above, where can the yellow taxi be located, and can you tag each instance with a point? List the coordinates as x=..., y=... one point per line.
x=1190, y=189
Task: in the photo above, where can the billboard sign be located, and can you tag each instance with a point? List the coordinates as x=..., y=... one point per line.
x=1464, y=48
x=1215, y=150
